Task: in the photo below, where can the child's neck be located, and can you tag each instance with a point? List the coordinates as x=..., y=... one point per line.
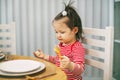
x=64, y=44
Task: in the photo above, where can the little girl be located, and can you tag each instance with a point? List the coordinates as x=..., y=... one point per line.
x=68, y=27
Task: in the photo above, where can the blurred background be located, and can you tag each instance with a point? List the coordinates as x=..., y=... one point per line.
x=34, y=29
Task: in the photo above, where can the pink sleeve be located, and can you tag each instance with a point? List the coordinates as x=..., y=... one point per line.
x=78, y=69
x=78, y=59
x=52, y=59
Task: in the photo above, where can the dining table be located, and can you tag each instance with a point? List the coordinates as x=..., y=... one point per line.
x=51, y=71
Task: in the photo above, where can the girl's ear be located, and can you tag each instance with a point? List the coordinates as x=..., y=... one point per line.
x=75, y=30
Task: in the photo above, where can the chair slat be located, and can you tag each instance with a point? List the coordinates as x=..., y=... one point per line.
x=5, y=34
x=4, y=26
x=95, y=63
x=6, y=42
x=7, y=50
x=95, y=53
x=94, y=31
x=95, y=42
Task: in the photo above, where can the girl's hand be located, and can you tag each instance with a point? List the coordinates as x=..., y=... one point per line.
x=65, y=63
x=39, y=54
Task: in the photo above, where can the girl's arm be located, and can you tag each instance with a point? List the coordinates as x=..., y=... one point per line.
x=52, y=59
x=78, y=59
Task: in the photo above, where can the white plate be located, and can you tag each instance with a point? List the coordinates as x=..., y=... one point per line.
x=4, y=73
x=22, y=74
x=2, y=56
x=19, y=66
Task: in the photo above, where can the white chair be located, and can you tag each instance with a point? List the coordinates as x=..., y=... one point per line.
x=99, y=50
x=8, y=38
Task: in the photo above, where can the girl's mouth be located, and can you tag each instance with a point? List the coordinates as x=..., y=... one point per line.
x=60, y=39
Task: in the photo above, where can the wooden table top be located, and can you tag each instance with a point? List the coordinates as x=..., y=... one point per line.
x=50, y=68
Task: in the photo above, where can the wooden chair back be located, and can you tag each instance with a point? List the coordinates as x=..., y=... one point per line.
x=8, y=38
x=99, y=49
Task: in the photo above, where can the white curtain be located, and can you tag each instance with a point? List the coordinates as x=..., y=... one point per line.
x=33, y=21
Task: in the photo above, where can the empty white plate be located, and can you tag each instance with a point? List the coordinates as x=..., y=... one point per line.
x=19, y=66
x=2, y=56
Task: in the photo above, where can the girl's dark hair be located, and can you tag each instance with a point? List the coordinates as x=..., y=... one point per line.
x=74, y=19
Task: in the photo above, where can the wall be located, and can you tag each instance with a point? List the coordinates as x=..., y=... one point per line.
x=33, y=21
x=116, y=67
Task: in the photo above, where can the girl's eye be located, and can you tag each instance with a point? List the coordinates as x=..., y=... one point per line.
x=62, y=32
x=56, y=32
x=59, y=32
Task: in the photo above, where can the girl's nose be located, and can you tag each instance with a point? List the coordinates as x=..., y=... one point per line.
x=58, y=35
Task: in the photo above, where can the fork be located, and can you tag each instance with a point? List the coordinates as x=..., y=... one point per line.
x=40, y=77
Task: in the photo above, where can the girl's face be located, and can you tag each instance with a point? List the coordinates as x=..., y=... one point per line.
x=63, y=33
